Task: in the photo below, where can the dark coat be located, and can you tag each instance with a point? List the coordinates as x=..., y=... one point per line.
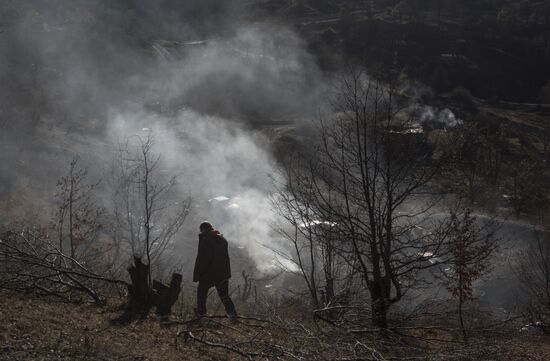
x=212, y=265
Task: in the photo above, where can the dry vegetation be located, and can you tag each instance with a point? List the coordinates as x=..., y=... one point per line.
x=39, y=329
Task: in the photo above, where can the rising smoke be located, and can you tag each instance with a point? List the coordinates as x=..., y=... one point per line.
x=82, y=77
x=440, y=118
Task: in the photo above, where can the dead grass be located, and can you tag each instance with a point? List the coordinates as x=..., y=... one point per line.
x=34, y=329
x=45, y=329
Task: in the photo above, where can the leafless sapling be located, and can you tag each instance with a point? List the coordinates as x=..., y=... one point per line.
x=326, y=273
x=146, y=214
x=532, y=270
x=78, y=220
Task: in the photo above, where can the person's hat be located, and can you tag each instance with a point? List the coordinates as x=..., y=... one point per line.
x=205, y=226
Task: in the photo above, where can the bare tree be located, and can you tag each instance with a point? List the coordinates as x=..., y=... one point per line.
x=477, y=161
x=369, y=179
x=145, y=215
x=524, y=185
x=495, y=147
x=326, y=273
x=77, y=220
x=533, y=272
x=465, y=166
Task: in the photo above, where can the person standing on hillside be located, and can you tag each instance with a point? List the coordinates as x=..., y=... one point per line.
x=212, y=269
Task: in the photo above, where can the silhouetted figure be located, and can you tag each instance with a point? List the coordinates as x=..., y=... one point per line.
x=212, y=269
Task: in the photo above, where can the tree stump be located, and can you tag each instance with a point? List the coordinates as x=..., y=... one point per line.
x=164, y=297
x=141, y=297
x=139, y=301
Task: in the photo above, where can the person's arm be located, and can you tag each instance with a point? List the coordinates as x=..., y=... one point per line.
x=226, y=256
x=204, y=258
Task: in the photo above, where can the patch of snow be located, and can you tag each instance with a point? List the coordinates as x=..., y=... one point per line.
x=219, y=199
x=430, y=257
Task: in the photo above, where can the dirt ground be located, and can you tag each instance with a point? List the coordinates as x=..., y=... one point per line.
x=46, y=329
x=33, y=329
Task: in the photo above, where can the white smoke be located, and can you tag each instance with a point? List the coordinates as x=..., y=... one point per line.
x=213, y=89
x=213, y=156
x=94, y=81
x=444, y=118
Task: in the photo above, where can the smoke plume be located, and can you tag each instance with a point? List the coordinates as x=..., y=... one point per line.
x=82, y=77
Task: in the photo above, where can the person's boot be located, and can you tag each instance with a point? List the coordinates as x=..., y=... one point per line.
x=199, y=316
x=230, y=309
x=233, y=317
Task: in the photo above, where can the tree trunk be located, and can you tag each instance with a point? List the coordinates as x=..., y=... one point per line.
x=461, y=318
x=140, y=300
x=71, y=234
x=379, y=311
x=141, y=297
x=379, y=307
x=164, y=296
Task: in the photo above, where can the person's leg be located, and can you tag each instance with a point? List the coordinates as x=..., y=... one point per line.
x=223, y=292
x=202, y=294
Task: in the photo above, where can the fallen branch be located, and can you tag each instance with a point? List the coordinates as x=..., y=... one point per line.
x=32, y=263
x=188, y=335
